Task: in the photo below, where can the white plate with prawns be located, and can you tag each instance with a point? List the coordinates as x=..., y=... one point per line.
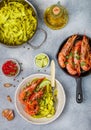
x=36, y=102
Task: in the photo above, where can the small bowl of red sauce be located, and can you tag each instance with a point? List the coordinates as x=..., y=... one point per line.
x=11, y=68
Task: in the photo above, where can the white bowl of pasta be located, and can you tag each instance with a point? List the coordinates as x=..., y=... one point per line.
x=36, y=102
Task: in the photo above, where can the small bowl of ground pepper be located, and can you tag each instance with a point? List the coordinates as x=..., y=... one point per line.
x=10, y=68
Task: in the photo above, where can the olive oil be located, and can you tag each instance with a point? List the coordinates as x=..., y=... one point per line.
x=56, y=16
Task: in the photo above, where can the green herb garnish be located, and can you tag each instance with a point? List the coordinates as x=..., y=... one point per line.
x=71, y=54
x=83, y=63
x=67, y=57
x=66, y=63
x=73, y=64
x=77, y=57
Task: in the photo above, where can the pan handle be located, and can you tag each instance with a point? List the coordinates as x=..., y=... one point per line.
x=79, y=95
x=44, y=39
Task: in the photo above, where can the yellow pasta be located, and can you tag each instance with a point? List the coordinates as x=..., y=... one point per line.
x=47, y=103
x=18, y=23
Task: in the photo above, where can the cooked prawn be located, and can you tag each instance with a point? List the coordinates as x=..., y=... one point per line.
x=29, y=90
x=34, y=84
x=22, y=96
x=70, y=65
x=85, y=59
x=77, y=51
x=61, y=60
x=90, y=57
x=66, y=50
x=32, y=108
x=36, y=95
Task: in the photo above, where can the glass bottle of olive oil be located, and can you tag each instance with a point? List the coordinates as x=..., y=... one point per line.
x=56, y=16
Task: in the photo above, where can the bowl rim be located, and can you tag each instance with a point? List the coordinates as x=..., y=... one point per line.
x=52, y=119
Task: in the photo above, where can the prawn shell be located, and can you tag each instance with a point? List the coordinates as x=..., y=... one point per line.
x=66, y=50
x=83, y=73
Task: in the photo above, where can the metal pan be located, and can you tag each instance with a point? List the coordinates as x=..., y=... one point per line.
x=37, y=28
x=79, y=93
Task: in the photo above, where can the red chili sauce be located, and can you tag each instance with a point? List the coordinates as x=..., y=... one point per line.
x=10, y=68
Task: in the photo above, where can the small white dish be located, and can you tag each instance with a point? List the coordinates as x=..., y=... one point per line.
x=41, y=61
x=61, y=99
x=17, y=64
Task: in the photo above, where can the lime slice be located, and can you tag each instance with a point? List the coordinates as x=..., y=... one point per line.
x=41, y=60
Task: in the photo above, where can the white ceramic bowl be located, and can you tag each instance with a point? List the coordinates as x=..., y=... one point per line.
x=17, y=63
x=61, y=99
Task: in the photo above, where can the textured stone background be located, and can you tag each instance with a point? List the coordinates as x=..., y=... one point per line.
x=75, y=116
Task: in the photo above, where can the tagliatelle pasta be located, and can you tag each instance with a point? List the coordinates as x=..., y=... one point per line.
x=46, y=103
x=18, y=23
x=38, y=99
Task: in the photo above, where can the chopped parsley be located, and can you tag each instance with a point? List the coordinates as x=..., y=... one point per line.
x=83, y=63
x=66, y=63
x=67, y=57
x=77, y=57
x=70, y=55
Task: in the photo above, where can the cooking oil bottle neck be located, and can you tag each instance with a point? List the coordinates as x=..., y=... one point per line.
x=57, y=10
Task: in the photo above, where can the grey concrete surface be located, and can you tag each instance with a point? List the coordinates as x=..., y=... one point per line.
x=75, y=116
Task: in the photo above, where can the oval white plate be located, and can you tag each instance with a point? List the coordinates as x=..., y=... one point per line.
x=61, y=99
